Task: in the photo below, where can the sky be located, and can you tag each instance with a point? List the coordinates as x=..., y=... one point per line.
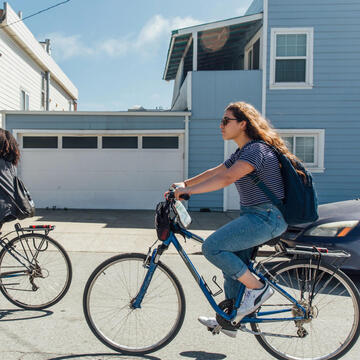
x=115, y=51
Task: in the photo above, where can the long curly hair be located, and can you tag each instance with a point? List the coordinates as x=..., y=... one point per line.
x=9, y=148
x=259, y=128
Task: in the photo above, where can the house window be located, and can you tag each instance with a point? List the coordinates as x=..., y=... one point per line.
x=119, y=142
x=291, y=58
x=40, y=142
x=24, y=100
x=307, y=145
x=79, y=142
x=160, y=142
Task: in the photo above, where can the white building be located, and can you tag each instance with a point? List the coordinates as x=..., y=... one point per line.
x=30, y=79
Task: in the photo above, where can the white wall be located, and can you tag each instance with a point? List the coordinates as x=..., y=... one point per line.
x=21, y=68
x=59, y=100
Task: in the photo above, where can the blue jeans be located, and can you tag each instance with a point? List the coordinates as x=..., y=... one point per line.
x=230, y=247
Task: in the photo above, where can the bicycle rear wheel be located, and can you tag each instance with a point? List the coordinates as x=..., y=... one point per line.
x=43, y=281
x=107, y=305
x=334, y=327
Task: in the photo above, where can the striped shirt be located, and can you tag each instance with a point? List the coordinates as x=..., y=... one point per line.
x=266, y=165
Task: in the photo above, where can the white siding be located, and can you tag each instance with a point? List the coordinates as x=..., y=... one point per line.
x=17, y=71
x=59, y=100
x=27, y=40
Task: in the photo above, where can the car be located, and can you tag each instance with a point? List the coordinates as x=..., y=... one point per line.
x=337, y=228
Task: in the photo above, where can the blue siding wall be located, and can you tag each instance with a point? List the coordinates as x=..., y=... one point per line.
x=212, y=92
x=334, y=102
x=92, y=122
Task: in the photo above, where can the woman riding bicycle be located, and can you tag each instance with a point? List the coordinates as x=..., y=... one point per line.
x=9, y=158
x=229, y=248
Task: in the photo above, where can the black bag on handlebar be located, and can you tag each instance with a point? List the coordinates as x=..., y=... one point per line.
x=162, y=222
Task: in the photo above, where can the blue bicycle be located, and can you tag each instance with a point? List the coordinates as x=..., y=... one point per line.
x=134, y=304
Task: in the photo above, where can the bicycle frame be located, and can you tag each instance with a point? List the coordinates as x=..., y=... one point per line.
x=153, y=258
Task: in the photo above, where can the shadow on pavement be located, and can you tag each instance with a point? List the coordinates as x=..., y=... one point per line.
x=20, y=314
x=138, y=219
x=202, y=355
x=99, y=356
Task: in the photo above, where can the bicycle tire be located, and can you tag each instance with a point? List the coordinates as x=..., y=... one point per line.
x=106, y=303
x=50, y=278
x=334, y=328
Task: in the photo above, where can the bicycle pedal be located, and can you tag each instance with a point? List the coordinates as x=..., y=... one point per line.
x=216, y=330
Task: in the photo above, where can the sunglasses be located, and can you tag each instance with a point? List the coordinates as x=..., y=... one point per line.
x=225, y=120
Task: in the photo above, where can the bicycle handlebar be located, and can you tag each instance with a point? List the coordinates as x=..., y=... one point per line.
x=172, y=196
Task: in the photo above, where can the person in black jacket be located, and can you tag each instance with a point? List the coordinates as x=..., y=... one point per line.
x=9, y=158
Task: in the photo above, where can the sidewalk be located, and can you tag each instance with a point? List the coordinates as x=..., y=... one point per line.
x=117, y=230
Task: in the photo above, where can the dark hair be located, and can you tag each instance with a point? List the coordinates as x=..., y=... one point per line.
x=9, y=148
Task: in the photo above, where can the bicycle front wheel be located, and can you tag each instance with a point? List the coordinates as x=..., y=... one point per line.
x=333, y=327
x=107, y=305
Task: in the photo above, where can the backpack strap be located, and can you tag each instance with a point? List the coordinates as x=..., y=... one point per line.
x=256, y=180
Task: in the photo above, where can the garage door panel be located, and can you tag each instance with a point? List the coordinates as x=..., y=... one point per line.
x=124, y=199
x=100, y=178
x=96, y=181
x=102, y=160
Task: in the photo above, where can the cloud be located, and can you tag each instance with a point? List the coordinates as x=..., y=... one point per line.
x=115, y=47
x=150, y=36
x=152, y=31
x=65, y=47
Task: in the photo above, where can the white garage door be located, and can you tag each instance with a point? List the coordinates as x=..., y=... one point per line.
x=100, y=171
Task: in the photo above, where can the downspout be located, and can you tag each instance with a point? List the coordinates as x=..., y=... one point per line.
x=47, y=90
x=264, y=59
x=186, y=148
x=47, y=77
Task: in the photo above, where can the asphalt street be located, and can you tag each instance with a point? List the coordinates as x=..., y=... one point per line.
x=90, y=237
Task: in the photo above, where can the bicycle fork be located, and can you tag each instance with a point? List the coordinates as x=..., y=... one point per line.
x=150, y=262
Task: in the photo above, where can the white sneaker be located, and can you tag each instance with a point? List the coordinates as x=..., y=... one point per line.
x=211, y=323
x=253, y=298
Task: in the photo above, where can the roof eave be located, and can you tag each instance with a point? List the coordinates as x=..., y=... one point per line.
x=204, y=27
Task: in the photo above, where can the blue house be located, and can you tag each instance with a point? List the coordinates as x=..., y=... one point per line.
x=298, y=63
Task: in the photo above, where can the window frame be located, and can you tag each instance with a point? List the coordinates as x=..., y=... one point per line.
x=319, y=145
x=180, y=134
x=249, y=47
x=24, y=95
x=309, y=67
x=43, y=91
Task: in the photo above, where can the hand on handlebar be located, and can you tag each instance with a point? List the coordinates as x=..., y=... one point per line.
x=179, y=190
x=178, y=185
x=182, y=193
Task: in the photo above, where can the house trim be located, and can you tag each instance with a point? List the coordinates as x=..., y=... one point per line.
x=249, y=47
x=218, y=24
x=264, y=58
